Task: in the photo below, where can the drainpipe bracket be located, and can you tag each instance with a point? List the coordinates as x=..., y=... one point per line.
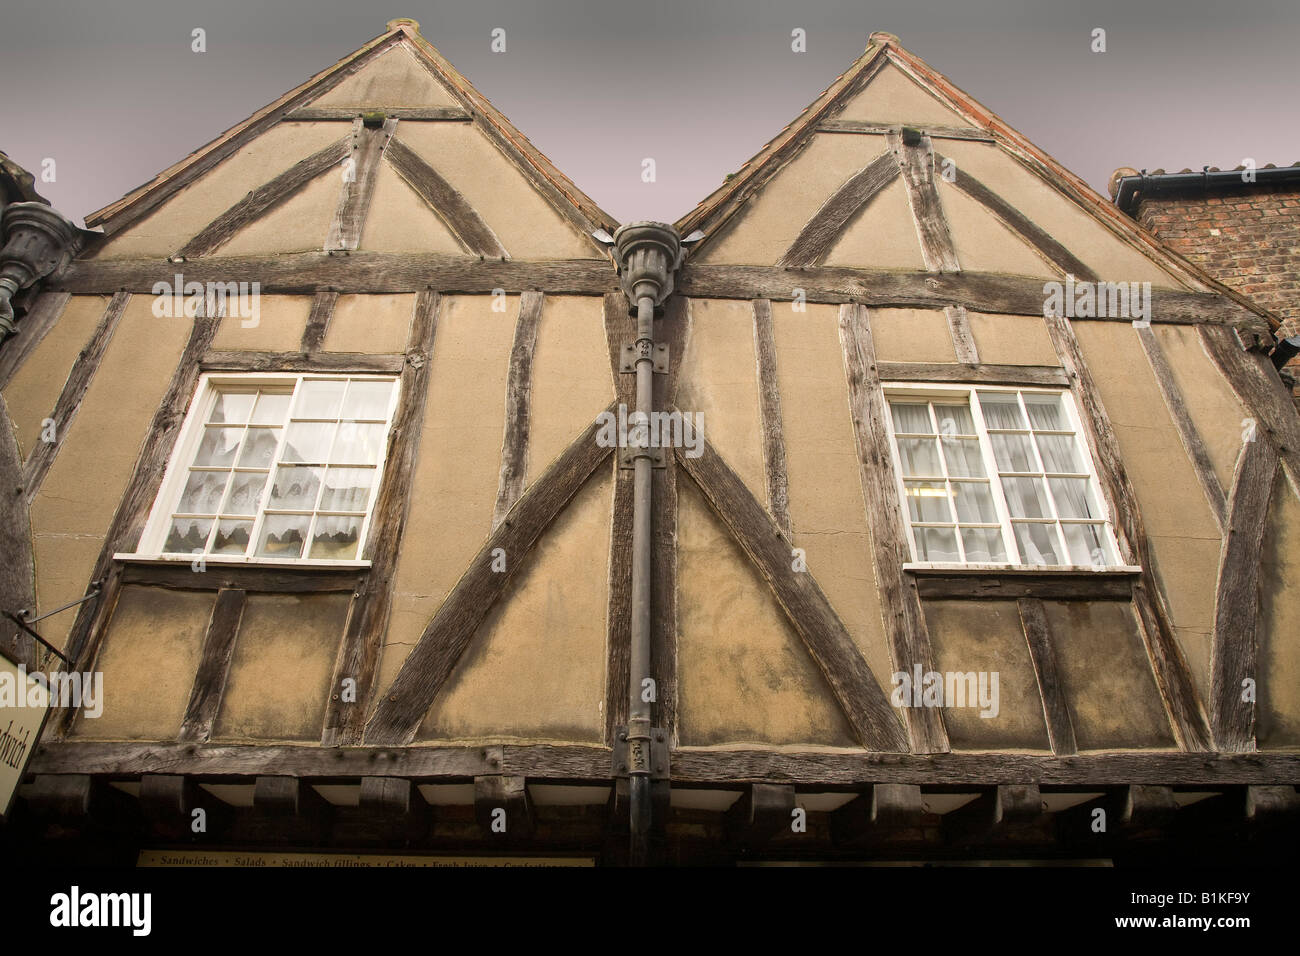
x=630, y=353
x=659, y=766
x=627, y=457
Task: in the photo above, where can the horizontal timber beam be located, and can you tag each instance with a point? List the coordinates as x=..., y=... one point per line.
x=327, y=113
x=973, y=374
x=234, y=361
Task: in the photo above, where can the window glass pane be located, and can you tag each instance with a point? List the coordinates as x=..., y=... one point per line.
x=1045, y=412
x=928, y=501
x=911, y=418
x=983, y=545
x=963, y=457
x=308, y=441
x=185, y=535
x=347, y=489
x=1087, y=544
x=1038, y=544
x=203, y=491
x=1013, y=453
x=335, y=537
x=245, y=493
x=319, y=398
x=954, y=420
x=936, y=544
x=259, y=448
x=232, y=407
x=358, y=444
x=1058, y=453
x=974, y=502
x=1001, y=410
x=1073, y=498
x=283, y=536
x=919, y=457
x=367, y=400
x=272, y=408
x=295, y=489
x=218, y=446
x=1026, y=497
x=232, y=537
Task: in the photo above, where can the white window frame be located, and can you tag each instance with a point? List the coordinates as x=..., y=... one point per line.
x=945, y=392
x=154, y=536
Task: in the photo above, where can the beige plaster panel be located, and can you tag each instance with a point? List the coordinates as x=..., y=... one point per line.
x=1214, y=408
x=761, y=232
x=827, y=513
x=394, y=78
x=911, y=335
x=34, y=390
x=881, y=236
x=527, y=225
x=1012, y=339
x=719, y=380
x=300, y=225
x=983, y=243
x=277, y=326
x=370, y=323
x=1093, y=243
x=1106, y=676
x=185, y=215
x=85, y=483
x=571, y=377
x=536, y=667
x=400, y=221
x=149, y=658
x=894, y=97
x=1277, y=671
x=743, y=674
x=987, y=637
x=455, y=477
x=1184, y=538
x=280, y=671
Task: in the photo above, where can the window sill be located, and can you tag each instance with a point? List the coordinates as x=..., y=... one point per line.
x=923, y=567
x=1011, y=582
x=227, y=561
x=179, y=573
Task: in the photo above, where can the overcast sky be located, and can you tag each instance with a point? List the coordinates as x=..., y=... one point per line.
x=113, y=93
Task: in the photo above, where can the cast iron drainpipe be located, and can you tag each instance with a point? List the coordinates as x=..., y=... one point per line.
x=648, y=254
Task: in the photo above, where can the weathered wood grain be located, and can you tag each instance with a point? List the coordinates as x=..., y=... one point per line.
x=17, y=570
x=769, y=415
x=935, y=132
x=887, y=812
x=762, y=811
x=502, y=806
x=963, y=340
x=263, y=200
x=814, y=620
x=318, y=321
x=972, y=374
x=519, y=390
x=214, y=666
x=446, y=201
x=217, y=576
x=358, y=185
x=42, y=454
x=905, y=627
x=32, y=329
x=222, y=360
x=316, y=114
x=917, y=165
x=828, y=223
x=1043, y=585
x=1056, y=709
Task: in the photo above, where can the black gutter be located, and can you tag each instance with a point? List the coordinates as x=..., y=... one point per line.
x=1132, y=189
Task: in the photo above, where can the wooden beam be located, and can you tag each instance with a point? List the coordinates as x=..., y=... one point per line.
x=263, y=199
x=18, y=569
x=318, y=321
x=223, y=360
x=769, y=414
x=32, y=330
x=214, y=666
x=814, y=620
x=61, y=796
x=1237, y=598
x=963, y=340
x=1003, y=812
x=519, y=390
x=168, y=803
x=285, y=809
x=358, y=184
x=1056, y=709
x=762, y=811
x=448, y=634
x=917, y=165
x=887, y=812
x=246, y=577
x=65, y=410
x=1135, y=812
x=368, y=618
x=880, y=128
x=1197, y=453
x=502, y=806
x=905, y=627
x=1033, y=375
x=827, y=225
x=1044, y=585
x=1036, y=237
x=1173, y=677
x=620, y=328
x=391, y=797
x=317, y=114
x=446, y=201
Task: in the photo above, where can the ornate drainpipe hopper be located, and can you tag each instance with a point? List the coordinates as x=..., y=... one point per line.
x=38, y=241
x=647, y=253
